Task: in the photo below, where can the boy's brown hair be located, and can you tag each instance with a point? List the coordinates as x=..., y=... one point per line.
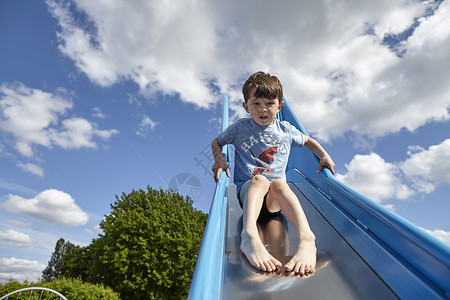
x=266, y=86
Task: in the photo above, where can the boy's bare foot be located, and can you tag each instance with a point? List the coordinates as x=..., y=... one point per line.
x=257, y=255
x=304, y=260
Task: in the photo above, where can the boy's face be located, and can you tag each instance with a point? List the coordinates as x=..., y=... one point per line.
x=262, y=110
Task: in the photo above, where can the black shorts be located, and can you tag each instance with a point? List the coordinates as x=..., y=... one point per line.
x=264, y=215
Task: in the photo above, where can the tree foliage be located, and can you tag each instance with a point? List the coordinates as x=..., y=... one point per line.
x=148, y=249
x=70, y=288
x=55, y=266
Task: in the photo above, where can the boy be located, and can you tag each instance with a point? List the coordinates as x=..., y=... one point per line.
x=262, y=145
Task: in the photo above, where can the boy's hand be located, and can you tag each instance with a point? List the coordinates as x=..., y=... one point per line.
x=219, y=162
x=326, y=161
x=218, y=167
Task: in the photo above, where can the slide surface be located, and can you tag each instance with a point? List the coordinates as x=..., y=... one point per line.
x=341, y=273
x=364, y=250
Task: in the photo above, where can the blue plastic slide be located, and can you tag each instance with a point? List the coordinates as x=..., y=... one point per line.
x=364, y=250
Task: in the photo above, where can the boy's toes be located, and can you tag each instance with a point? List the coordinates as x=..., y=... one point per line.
x=270, y=267
x=266, y=267
x=277, y=264
x=310, y=269
x=300, y=269
x=290, y=267
x=262, y=266
x=304, y=269
x=273, y=265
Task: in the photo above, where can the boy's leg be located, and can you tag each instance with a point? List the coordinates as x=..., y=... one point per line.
x=276, y=237
x=281, y=197
x=253, y=193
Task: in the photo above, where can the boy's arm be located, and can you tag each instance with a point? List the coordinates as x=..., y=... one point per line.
x=325, y=159
x=219, y=161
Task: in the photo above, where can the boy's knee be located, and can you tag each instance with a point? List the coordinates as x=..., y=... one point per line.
x=261, y=180
x=279, y=185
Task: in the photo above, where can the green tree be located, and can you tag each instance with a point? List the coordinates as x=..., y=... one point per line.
x=150, y=245
x=55, y=266
x=76, y=263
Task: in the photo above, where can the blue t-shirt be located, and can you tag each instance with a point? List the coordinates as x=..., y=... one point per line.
x=260, y=149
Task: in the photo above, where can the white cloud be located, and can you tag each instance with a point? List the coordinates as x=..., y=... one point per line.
x=423, y=170
x=78, y=133
x=146, y=125
x=440, y=234
x=32, y=116
x=428, y=167
x=31, y=168
x=390, y=207
x=20, y=269
x=159, y=49
x=375, y=178
x=98, y=113
x=28, y=112
x=51, y=206
x=15, y=238
x=330, y=55
x=398, y=19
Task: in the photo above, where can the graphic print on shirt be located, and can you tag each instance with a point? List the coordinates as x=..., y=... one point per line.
x=263, y=161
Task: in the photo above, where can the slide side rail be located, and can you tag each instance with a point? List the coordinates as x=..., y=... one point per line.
x=207, y=282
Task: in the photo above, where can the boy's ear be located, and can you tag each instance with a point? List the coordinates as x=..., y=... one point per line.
x=244, y=104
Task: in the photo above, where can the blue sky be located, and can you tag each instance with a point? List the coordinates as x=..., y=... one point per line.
x=98, y=99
